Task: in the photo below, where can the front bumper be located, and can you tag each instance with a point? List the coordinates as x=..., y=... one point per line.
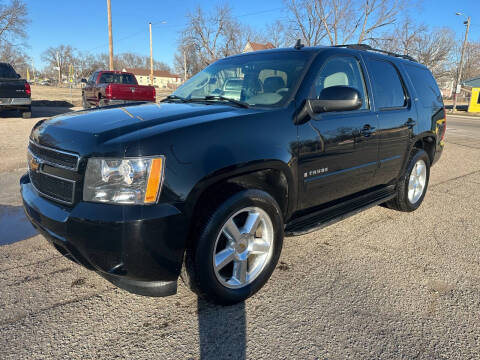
x=137, y=248
x=15, y=101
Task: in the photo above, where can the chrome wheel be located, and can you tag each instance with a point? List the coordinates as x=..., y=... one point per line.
x=243, y=247
x=417, y=181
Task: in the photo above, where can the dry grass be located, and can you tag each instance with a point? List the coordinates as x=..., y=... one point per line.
x=55, y=96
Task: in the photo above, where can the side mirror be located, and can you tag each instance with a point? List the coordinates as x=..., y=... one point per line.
x=18, y=76
x=333, y=98
x=83, y=80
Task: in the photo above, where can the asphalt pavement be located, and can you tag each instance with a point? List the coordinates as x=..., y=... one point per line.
x=379, y=285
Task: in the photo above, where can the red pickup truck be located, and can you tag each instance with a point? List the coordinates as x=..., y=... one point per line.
x=114, y=87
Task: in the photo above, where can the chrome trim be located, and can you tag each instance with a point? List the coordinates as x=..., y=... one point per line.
x=58, y=151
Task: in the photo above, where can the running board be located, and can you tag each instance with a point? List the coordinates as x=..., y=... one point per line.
x=328, y=216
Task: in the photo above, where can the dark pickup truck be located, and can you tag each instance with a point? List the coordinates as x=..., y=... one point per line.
x=205, y=185
x=15, y=93
x=114, y=87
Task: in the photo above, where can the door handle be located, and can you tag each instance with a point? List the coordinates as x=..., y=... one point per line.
x=367, y=130
x=410, y=123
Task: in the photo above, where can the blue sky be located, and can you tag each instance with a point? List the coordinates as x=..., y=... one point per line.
x=83, y=24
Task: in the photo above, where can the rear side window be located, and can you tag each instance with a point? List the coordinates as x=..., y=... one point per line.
x=387, y=86
x=7, y=72
x=425, y=86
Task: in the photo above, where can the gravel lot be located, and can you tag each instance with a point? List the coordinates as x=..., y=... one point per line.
x=381, y=284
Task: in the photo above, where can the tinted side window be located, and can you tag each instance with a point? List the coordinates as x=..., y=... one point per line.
x=387, y=86
x=425, y=86
x=341, y=71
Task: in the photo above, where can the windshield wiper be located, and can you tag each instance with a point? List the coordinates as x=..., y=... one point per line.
x=223, y=98
x=174, y=97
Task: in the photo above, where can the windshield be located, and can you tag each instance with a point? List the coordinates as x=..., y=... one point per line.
x=266, y=79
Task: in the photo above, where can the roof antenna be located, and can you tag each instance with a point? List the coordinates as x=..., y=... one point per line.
x=298, y=44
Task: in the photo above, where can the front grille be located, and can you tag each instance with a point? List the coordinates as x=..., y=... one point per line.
x=53, y=172
x=54, y=157
x=53, y=187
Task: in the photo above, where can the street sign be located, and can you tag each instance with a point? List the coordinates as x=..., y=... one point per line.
x=459, y=88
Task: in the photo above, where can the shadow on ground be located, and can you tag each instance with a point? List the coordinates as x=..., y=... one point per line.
x=222, y=331
x=41, y=111
x=14, y=225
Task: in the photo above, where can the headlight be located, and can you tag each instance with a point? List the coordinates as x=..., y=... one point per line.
x=124, y=181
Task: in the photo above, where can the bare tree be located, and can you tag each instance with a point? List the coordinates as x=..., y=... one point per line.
x=434, y=50
x=15, y=56
x=59, y=58
x=403, y=38
x=279, y=34
x=210, y=36
x=13, y=19
x=342, y=21
x=304, y=20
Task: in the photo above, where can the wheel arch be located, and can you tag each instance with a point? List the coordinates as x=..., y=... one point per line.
x=274, y=177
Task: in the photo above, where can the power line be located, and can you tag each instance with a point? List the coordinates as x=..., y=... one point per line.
x=161, y=22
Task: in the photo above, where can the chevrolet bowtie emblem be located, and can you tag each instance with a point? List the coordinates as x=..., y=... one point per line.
x=34, y=164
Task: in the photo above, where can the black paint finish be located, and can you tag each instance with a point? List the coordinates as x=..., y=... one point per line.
x=326, y=159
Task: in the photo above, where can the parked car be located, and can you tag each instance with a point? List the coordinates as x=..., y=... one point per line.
x=205, y=186
x=15, y=93
x=114, y=87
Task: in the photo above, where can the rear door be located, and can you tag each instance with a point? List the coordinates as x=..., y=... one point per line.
x=338, y=150
x=396, y=117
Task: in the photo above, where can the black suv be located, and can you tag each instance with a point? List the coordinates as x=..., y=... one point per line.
x=205, y=185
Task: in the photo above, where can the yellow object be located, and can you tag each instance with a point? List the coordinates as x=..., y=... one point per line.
x=28, y=75
x=154, y=179
x=474, y=105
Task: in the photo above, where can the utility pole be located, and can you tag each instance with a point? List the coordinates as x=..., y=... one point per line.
x=184, y=66
x=151, y=54
x=59, y=69
x=459, y=75
x=110, y=36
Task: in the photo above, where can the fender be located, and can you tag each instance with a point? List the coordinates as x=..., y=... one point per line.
x=237, y=170
x=413, y=141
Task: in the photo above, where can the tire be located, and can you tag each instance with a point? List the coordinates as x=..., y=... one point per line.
x=409, y=199
x=27, y=114
x=257, y=251
x=85, y=103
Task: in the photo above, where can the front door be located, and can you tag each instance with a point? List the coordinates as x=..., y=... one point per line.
x=338, y=150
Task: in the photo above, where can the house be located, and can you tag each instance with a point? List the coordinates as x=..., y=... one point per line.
x=253, y=46
x=474, y=82
x=161, y=78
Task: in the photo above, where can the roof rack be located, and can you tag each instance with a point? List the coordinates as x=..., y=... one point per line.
x=366, y=47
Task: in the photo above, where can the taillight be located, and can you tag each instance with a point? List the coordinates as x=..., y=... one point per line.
x=108, y=91
x=28, y=90
x=444, y=124
x=153, y=93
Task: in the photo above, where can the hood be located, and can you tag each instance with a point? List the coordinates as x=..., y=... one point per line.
x=84, y=131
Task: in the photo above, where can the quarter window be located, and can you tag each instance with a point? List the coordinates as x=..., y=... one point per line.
x=344, y=71
x=387, y=86
x=425, y=85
